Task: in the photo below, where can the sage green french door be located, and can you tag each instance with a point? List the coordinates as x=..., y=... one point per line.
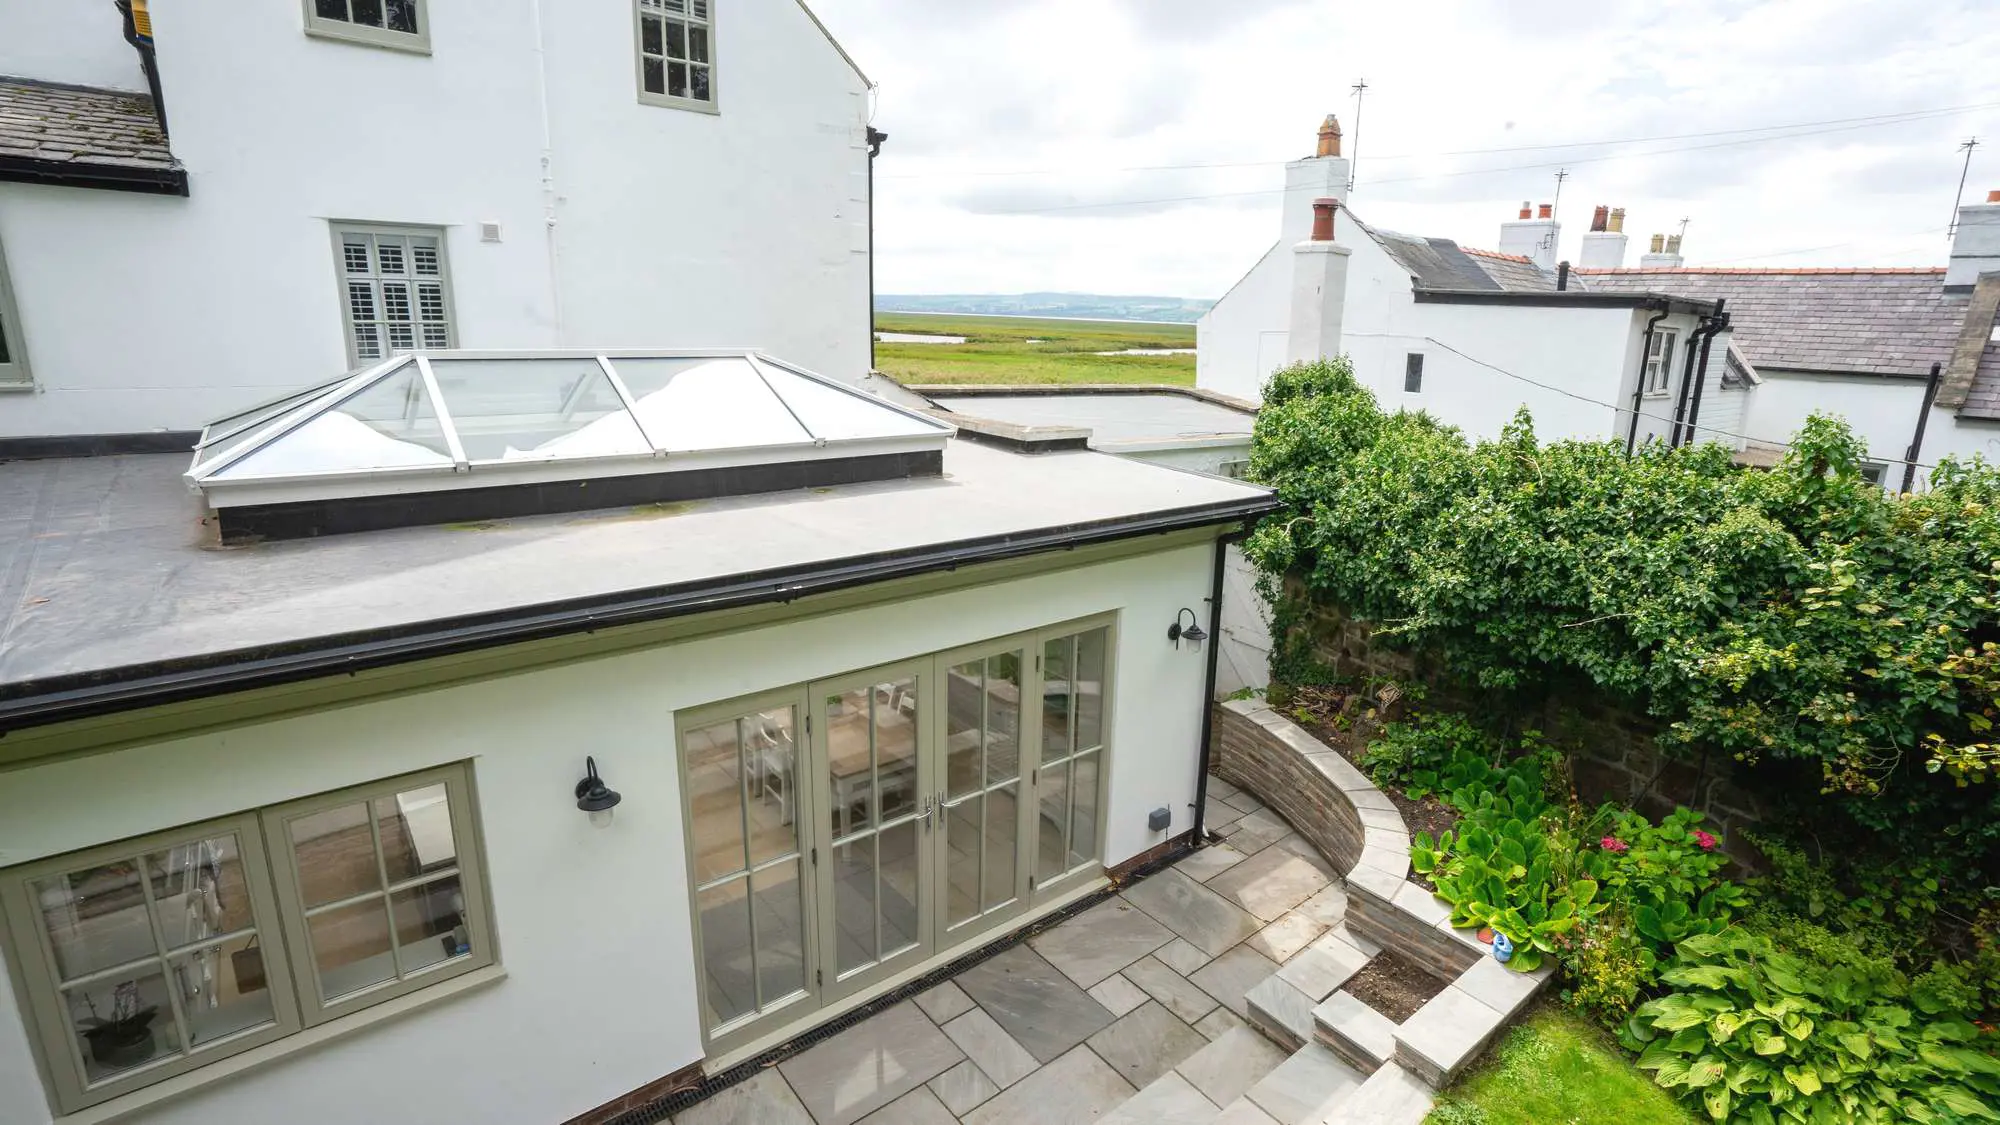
x=981, y=844
x=1073, y=675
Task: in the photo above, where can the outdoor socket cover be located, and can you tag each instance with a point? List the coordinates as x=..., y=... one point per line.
x=1158, y=819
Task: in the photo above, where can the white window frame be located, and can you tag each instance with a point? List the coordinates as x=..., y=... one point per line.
x=641, y=9
x=322, y=27
x=1656, y=369
x=376, y=279
x=14, y=372
x=269, y=867
x=1413, y=366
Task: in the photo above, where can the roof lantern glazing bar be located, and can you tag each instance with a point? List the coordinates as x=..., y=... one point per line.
x=762, y=377
x=459, y=463
x=304, y=412
x=625, y=396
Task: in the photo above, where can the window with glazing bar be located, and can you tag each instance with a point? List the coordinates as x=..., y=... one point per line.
x=677, y=53
x=157, y=956
x=1660, y=362
x=401, y=24
x=13, y=352
x=395, y=290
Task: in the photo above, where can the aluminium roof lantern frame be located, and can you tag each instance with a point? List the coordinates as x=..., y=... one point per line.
x=529, y=431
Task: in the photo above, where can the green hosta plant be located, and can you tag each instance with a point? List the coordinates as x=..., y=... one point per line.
x=1504, y=872
x=1668, y=874
x=1757, y=1036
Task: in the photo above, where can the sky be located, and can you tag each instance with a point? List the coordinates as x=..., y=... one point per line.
x=1015, y=125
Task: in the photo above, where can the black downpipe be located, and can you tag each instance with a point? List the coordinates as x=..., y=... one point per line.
x=1222, y=543
x=151, y=64
x=1712, y=327
x=1562, y=277
x=1917, y=439
x=875, y=139
x=1681, y=398
x=1639, y=384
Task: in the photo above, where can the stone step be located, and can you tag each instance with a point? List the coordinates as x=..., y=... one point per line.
x=1451, y=1030
x=1281, y=1012
x=1193, y=1092
x=1391, y=1096
x=1167, y=1100
x=1311, y=1082
x=1362, y=1036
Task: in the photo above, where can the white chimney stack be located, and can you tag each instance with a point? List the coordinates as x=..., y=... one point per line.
x=1604, y=246
x=1533, y=236
x=1322, y=175
x=1975, y=243
x=1319, y=289
x=1664, y=255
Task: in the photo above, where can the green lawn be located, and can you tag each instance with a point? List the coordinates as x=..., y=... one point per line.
x=1556, y=1069
x=997, y=351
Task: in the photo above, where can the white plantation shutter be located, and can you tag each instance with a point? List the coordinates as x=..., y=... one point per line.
x=395, y=283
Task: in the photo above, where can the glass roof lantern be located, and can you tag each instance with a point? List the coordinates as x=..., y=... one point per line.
x=455, y=435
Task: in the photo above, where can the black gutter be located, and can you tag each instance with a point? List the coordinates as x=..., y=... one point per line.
x=1222, y=543
x=56, y=699
x=1923, y=418
x=1639, y=385
x=875, y=139
x=1572, y=298
x=108, y=177
x=1710, y=328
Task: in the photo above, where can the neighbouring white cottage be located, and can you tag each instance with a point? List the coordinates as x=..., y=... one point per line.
x=323, y=181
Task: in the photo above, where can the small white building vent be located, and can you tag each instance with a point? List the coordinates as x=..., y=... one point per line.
x=449, y=436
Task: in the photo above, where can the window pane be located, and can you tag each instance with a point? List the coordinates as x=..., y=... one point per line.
x=773, y=785
x=535, y=409
x=854, y=903
x=424, y=256
x=781, y=957
x=1053, y=818
x=698, y=83
x=416, y=832
x=690, y=404
x=1056, y=698
x=1003, y=810
x=335, y=852
x=1083, y=812
x=715, y=800
x=1089, y=688
x=331, y=9
x=368, y=12
x=123, y=1022
x=896, y=747
x=95, y=918
x=725, y=951
x=677, y=80
x=430, y=924
x=677, y=39
x=224, y=989
x=199, y=891
x=353, y=247
x=389, y=425
x=1003, y=717
x=656, y=76
x=850, y=761
x=403, y=16
x=350, y=945
x=899, y=888
x=4, y=358
x=964, y=727
x=649, y=35
x=961, y=859
x=698, y=44
x=389, y=256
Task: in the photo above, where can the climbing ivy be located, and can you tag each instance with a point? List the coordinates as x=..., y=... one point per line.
x=1830, y=637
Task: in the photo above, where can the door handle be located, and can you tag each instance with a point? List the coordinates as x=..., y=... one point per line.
x=926, y=815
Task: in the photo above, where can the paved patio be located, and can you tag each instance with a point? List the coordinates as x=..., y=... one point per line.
x=1143, y=992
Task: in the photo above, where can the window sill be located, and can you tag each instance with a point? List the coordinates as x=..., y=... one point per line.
x=666, y=101
x=364, y=37
x=140, y=1101
x=9, y=386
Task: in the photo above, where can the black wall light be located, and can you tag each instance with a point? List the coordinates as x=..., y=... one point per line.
x=594, y=797
x=1192, y=632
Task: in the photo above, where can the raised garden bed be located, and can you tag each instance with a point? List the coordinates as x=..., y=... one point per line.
x=1338, y=716
x=1394, y=985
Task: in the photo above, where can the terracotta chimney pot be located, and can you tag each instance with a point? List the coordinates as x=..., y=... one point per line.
x=1329, y=136
x=1600, y=218
x=1545, y=211
x=1993, y=197
x=1527, y=212
x=1659, y=243
x=1617, y=221
x=1673, y=244
x=1323, y=219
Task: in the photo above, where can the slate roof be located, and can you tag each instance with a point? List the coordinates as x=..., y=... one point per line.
x=81, y=134
x=1983, y=401
x=1440, y=263
x=1514, y=272
x=1842, y=321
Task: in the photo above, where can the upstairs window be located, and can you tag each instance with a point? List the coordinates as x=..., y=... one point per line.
x=13, y=353
x=1660, y=362
x=677, y=53
x=1413, y=373
x=402, y=24
x=394, y=290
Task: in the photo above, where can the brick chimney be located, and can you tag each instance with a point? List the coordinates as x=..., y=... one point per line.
x=1319, y=289
x=1975, y=244
x=1320, y=176
x=1604, y=246
x=1534, y=238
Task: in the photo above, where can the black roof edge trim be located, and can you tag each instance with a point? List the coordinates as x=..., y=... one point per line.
x=53, y=700
x=107, y=177
x=1580, y=298
x=98, y=445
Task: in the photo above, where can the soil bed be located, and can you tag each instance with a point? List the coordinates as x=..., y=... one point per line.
x=1339, y=718
x=1394, y=986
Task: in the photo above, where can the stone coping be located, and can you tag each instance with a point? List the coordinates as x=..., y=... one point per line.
x=1357, y=828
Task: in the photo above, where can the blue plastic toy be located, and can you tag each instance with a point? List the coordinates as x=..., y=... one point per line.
x=1503, y=950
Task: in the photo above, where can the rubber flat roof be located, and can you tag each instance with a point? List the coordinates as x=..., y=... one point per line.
x=1110, y=418
x=107, y=573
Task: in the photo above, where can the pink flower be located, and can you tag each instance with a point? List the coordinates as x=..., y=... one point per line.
x=1706, y=841
x=1614, y=844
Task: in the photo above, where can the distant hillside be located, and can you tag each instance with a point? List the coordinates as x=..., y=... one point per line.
x=1086, y=306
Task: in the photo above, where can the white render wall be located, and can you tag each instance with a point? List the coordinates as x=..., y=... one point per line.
x=1881, y=411
x=1243, y=337
x=546, y=1044
x=746, y=227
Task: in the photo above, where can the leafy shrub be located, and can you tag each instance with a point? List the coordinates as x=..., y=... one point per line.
x=1758, y=1035
x=1606, y=964
x=1669, y=876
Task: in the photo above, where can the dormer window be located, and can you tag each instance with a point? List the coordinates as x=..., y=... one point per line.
x=401, y=24
x=677, y=54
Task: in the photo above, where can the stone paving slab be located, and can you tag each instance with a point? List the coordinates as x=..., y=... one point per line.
x=1356, y=1032
x=1100, y=941
x=1282, y=1012
x=1181, y=957
x=1208, y=921
x=1444, y=1035
x=1209, y=862
x=963, y=1087
x=1176, y=992
x=1270, y=883
x=1169, y=1100
x=765, y=1099
x=991, y=1048
x=1146, y=1044
x=1075, y=1089
x=1229, y=977
x=1324, y=966
x=1283, y=939
x=1041, y=1008
x=869, y=1065
x=1118, y=994
x=1301, y=1084
x=918, y=1107
x=1237, y=1060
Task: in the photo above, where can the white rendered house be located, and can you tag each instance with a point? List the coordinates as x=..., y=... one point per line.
x=341, y=178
